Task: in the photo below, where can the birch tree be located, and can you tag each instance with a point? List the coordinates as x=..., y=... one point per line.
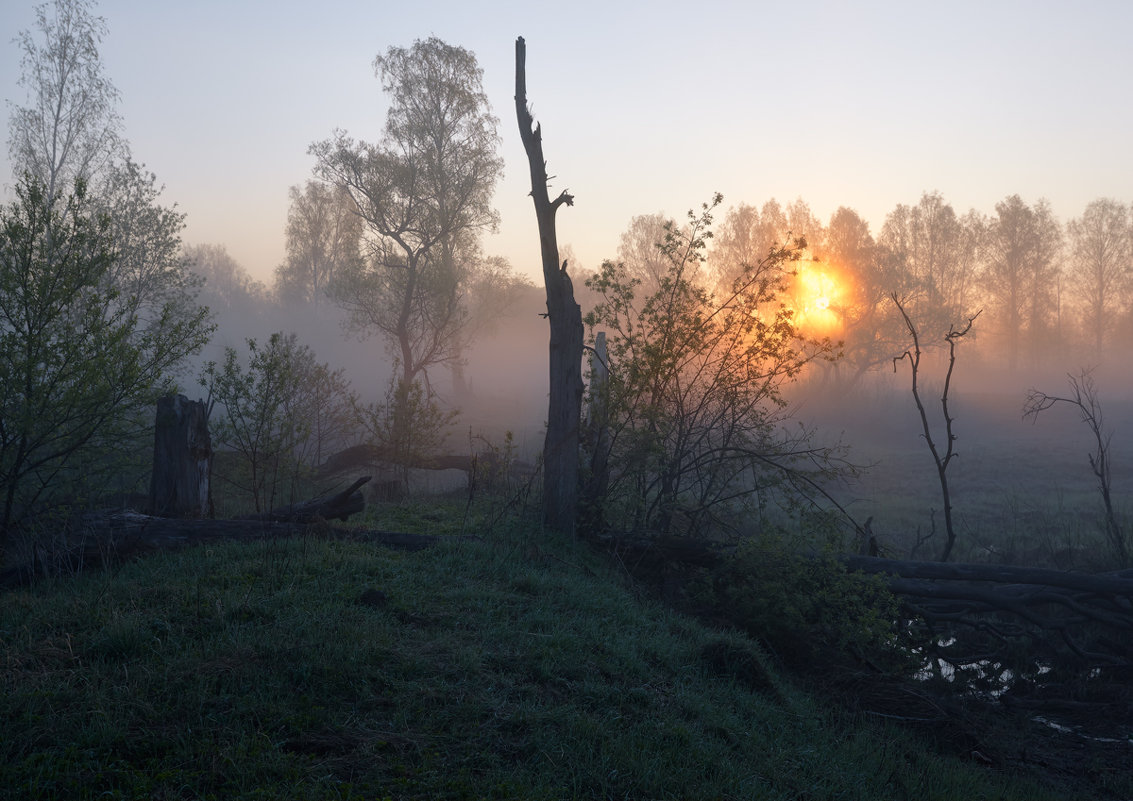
x=424, y=194
x=1101, y=266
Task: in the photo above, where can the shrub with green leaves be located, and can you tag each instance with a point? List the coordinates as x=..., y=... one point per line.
x=698, y=426
x=79, y=366
x=806, y=606
x=408, y=427
x=283, y=410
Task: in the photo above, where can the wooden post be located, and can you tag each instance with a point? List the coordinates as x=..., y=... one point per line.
x=182, y=457
x=564, y=413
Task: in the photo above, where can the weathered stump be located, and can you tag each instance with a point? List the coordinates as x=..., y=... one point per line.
x=182, y=456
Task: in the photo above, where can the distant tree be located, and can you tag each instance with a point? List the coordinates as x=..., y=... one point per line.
x=970, y=253
x=938, y=251
x=69, y=132
x=324, y=234
x=639, y=249
x=745, y=237
x=492, y=290
x=801, y=223
x=1020, y=274
x=1100, y=257
x=70, y=129
x=424, y=194
x=871, y=328
x=78, y=366
x=226, y=283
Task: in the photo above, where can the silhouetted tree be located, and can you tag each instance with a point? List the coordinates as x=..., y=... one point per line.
x=564, y=408
x=1085, y=399
x=694, y=390
x=941, y=460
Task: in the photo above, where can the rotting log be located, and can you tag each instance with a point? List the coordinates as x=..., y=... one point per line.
x=113, y=539
x=981, y=614
x=105, y=538
x=964, y=613
x=1120, y=583
x=359, y=457
x=339, y=506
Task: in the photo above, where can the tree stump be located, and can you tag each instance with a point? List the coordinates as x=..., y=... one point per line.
x=182, y=457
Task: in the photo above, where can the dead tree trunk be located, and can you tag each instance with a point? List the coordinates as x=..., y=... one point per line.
x=560, y=449
x=597, y=440
x=182, y=455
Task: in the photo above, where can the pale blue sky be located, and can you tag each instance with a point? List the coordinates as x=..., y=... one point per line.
x=646, y=107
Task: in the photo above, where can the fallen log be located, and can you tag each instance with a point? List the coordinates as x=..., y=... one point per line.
x=360, y=457
x=123, y=536
x=1118, y=583
x=974, y=614
x=339, y=506
x=105, y=538
x=959, y=613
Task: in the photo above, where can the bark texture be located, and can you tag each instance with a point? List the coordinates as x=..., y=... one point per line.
x=182, y=455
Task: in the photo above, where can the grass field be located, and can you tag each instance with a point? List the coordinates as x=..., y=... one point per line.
x=1022, y=492
x=511, y=665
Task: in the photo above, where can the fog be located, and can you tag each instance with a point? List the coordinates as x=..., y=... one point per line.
x=1021, y=489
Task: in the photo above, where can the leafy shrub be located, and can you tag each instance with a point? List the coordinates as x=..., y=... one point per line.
x=697, y=422
x=407, y=428
x=282, y=412
x=806, y=607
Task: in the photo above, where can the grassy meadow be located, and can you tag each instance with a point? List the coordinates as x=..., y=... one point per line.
x=507, y=665
x=1022, y=491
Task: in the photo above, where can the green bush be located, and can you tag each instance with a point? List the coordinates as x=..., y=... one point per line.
x=806, y=606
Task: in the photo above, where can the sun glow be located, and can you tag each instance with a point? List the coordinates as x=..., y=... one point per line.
x=817, y=298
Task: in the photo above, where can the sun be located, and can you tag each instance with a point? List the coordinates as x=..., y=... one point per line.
x=816, y=298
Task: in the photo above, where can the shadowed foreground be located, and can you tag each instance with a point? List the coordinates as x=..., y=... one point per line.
x=511, y=668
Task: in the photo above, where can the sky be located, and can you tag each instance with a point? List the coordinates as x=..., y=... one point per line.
x=645, y=107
